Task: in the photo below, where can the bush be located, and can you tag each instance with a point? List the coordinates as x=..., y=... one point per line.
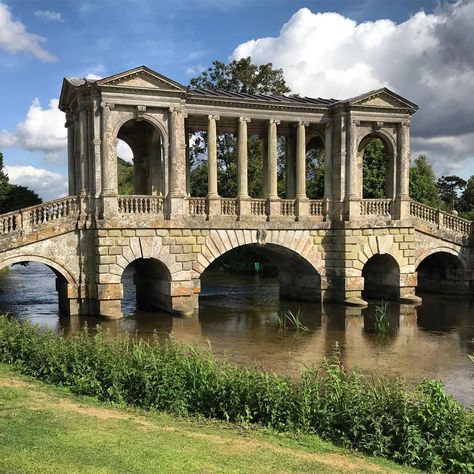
x=424, y=428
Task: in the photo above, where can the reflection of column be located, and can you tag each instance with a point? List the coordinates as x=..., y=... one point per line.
x=242, y=161
x=212, y=157
x=272, y=159
x=301, y=160
x=70, y=153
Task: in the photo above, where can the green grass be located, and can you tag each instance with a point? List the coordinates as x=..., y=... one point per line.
x=47, y=430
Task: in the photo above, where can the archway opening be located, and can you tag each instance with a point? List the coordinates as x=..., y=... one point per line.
x=296, y=277
x=376, y=160
x=141, y=168
x=30, y=289
x=441, y=272
x=315, y=168
x=381, y=278
x=146, y=286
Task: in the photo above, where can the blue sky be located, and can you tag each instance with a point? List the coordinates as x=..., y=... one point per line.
x=422, y=49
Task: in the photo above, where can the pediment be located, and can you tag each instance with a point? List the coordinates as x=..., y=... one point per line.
x=142, y=78
x=383, y=98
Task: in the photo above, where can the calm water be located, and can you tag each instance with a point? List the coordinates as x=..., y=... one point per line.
x=236, y=318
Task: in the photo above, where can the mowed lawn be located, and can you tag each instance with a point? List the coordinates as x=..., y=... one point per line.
x=45, y=429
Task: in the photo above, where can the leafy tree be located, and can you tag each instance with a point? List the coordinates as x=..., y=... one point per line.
x=125, y=177
x=449, y=188
x=466, y=203
x=423, y=187
x=374, y=170
x=12, y=196
x=315, y=173
x=243, y=77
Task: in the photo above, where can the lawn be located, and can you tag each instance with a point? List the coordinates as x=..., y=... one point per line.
x=45, y=429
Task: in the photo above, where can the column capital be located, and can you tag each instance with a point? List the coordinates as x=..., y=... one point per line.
x=356, y=123
x=274, y=122
x=213, y=117
x=244, y=119
x=303, y=123
x=405, y=124
x=107, y=105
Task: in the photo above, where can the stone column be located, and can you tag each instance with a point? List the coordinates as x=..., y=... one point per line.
x=109, y=164
x=188, y=164
x=403, y=172
x=302, y=205
x=273, y=202
x=328, y=172
x=155, y=168
x=70, y=153
x=213, y=201
x=290, y=185
x=243, y=198
x=353, y=178
x=83, y=144
x=177, y=162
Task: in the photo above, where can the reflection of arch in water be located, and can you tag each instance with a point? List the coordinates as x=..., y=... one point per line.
x=381, y=275
x=65, y=283
x=441, y=270
x=297, y=277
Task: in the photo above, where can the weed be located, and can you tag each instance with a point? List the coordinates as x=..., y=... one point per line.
x=382, y=322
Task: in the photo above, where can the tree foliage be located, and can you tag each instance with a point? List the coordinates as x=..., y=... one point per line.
x=374, y=170
x=423, y=187
x=12, y=196
x=449, y=188
x=125, y=177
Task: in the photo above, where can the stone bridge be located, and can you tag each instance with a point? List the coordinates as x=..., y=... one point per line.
x=341, y=248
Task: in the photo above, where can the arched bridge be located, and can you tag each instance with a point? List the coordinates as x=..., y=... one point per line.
x=344, y=247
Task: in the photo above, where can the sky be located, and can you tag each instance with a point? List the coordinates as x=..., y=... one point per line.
x=421, y=49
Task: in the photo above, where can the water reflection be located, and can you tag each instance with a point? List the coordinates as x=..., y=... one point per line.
x=236, y=318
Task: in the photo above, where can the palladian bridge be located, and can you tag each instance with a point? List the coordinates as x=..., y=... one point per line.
x=341, y=248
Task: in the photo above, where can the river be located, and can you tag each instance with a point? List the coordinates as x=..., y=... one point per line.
x=236, y=319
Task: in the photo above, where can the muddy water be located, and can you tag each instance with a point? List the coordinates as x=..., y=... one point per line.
x=237, y=316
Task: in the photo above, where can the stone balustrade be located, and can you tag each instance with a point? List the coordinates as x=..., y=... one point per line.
x=287, y=207
x=376, y=207
x=10, y=222
x=441, y=219
x=140, y=204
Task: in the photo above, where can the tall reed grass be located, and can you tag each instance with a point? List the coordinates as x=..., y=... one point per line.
x=425, y=427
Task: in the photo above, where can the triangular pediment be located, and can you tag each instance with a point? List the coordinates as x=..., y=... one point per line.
x=142, y=78
x=383, y=98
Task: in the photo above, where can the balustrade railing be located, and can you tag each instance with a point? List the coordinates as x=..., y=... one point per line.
x=376, y=207
x=287, y=207
x=228, y=207
x=197, y=206
x=10, y=222
x=140, y=204
x=316, y=207
x=441, y=219
x=257, y=207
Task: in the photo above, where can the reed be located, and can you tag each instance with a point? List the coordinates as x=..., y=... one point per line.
x=382, y=321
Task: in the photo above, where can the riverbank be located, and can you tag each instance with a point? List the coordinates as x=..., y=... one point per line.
x=47, y=429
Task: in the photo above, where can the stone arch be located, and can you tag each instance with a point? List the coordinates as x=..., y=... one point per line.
x=390, y=149
x=431, y=251
x=56, y=267
x=381, y=275
x=221, y=241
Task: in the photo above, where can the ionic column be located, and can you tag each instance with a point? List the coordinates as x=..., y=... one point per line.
x=177, y=166
x=109, y=168
x=70, y=153
x=212, y=191
x=354, y=181
x=272, y=159
x=242, y=160
x=301, y=161
x=403, y=172
x=188, y=164
x=328, y=161
x=290, y=168
x=83, y=144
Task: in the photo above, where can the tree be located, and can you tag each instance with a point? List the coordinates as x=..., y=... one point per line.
x=12, y=196
x=449, y=188
x=466, y=202
x=315, y=173
x=374, y=170
x=243, y=77
x=423, y=187
x=125, y=177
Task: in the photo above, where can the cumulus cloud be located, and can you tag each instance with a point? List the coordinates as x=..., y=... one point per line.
x=42, y=130
x=429, y=59
x=49, y=16
x=47, y=184
x=15, y=39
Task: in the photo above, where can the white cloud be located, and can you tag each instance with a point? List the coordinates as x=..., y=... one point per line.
x=429, y=59
x=48, y=16
x=124, y=151
x=43, y=130
x=47, y=184
x=92, y=77
x=195, y=70
x=15, y=39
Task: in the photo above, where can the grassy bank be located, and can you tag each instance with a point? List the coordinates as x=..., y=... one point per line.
x=47, y=430
x=424, y=428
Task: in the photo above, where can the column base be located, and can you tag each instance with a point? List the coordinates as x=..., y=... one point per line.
x=273, y=207
x=175, y=207
x=213, y=206
x=302, y=208
x=244, y=207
